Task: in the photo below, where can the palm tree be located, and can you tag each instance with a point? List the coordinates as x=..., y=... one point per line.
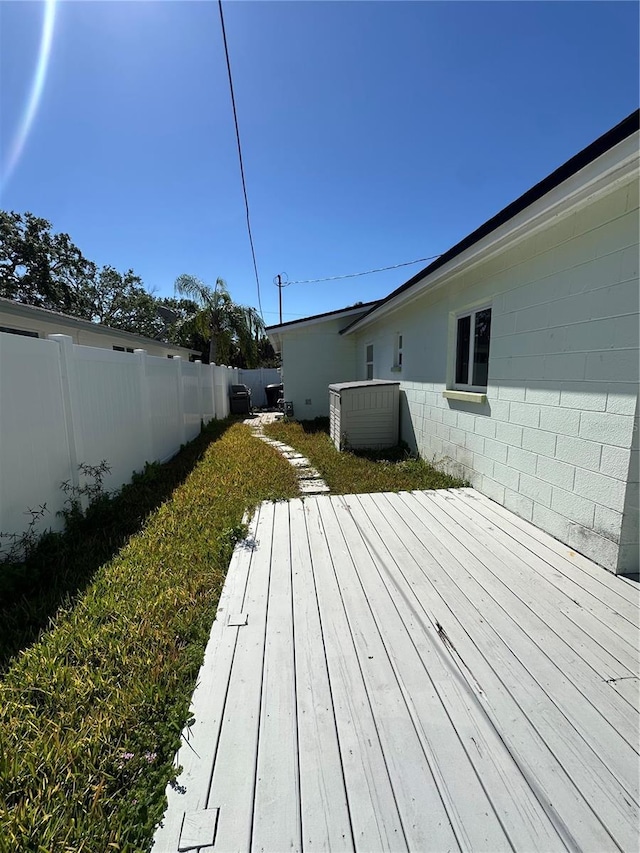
x=232, y=330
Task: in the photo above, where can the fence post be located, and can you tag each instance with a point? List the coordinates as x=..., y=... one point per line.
x=200, y=392
x=70, y=404
x=182, y=432
x=212, y=382
x=145, y=405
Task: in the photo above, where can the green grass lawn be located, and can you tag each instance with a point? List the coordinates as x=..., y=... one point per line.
x=351, y=473
x=102, y=637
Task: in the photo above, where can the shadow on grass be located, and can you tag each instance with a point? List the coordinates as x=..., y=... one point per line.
x=61, y=565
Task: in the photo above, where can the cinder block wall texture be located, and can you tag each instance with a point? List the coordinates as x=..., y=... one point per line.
x=557, y=439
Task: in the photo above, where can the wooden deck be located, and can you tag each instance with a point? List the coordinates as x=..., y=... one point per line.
x=418, y=671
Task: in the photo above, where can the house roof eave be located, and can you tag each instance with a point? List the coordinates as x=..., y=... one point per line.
x=485, y=237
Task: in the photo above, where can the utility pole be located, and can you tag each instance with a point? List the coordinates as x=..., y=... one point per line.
x=280, y=295
x=279, y=285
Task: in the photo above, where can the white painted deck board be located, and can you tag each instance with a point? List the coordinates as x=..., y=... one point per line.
x=419, y=671
x=560, y=612
x=276, y=816
x=425, y=820
x=233, y=772
x=461, y=748
x=325, y=814
x=531, y=726
x=540, y=635
x=565, y=560
x=376, y=824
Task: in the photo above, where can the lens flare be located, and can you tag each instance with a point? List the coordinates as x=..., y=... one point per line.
x=37, y=86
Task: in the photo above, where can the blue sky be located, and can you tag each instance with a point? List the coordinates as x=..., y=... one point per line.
x=373, y=133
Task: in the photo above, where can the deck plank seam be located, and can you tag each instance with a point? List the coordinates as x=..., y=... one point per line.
x=295, y=678
x=259, y=721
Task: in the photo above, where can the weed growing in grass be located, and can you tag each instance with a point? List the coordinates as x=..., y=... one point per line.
x=360, y=471
x=91, y=713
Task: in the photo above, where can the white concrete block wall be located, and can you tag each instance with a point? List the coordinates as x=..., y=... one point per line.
x=314, y=357
x=556, y=441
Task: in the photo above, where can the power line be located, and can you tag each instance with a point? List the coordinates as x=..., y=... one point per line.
x=244, y=185
x=356, y=274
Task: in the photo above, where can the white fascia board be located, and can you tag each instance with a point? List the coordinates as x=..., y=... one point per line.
x=305, y=322
x=276, y=340
x=613, y=169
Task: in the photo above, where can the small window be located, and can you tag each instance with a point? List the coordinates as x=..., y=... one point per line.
x=398, y=352
x=24, y=332
x=369, y=361
x=129, y=349
x=473, y=333
x=119, y=349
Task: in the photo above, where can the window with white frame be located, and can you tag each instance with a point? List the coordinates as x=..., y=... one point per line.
x=473, y=333
x=369, y=360
x=398, y=352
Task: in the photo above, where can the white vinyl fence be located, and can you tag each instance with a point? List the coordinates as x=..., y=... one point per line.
x=62, y=405
x=257, y=379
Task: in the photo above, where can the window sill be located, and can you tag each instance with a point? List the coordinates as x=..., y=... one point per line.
x=465, y=396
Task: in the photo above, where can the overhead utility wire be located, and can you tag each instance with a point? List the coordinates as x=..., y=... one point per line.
x=366, y=272
x=244, y=184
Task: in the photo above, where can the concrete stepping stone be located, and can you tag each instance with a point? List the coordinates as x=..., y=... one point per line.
x=309, y=480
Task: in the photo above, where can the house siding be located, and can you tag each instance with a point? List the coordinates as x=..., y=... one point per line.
x=314, y=357
x=556, y=440
x=44, y=326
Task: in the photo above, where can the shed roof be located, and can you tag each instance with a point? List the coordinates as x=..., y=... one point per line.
x=364, y=383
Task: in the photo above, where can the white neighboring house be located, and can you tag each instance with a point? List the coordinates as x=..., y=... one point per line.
x=517, y=353
x=19, y=319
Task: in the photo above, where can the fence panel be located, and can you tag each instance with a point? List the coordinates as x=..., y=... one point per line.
x=62, y=405
x=163, y=406
x=257, y=379
x=34, y=450
x=110, y=414
x=191, y=386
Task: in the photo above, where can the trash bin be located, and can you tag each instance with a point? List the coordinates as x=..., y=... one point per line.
x=273, y=392
x=240, y=400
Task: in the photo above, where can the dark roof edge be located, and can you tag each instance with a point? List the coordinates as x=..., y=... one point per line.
x=364, y=307
x=604, y=143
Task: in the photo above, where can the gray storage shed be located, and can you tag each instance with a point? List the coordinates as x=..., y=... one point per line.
x=364, y=414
